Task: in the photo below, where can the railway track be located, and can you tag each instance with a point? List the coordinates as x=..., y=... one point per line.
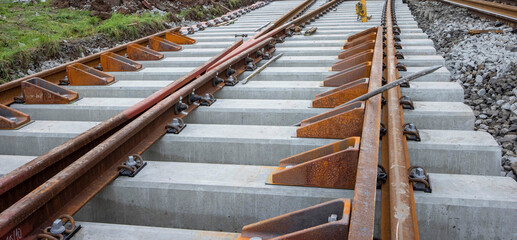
x=501, y=11
x=240, y=163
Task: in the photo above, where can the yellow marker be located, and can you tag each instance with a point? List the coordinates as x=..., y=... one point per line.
x=360, y=10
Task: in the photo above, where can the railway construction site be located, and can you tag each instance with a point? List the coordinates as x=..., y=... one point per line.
x=248, y=126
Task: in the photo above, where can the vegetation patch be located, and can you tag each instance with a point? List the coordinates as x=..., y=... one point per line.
x=63, y=30
x=34, y=31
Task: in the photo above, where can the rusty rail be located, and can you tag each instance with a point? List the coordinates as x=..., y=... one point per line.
x=498, y=10
x=363, y=207
x=402, y=211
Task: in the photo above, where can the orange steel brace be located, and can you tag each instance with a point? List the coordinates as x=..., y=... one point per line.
x=363, y=207
x=403, y=220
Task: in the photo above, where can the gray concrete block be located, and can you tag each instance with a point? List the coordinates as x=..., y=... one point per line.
x=226, y=197
x=426, y=115
x=93, y=231
x=10, y=162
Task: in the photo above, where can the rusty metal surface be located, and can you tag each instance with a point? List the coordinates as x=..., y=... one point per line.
x=11, y=118
x=360, y=40
x=334, y=170
x=353, y=60
x=112, y=62
x=163, y=45
x=348, y=75
x=140, y=53
x=39, y=91
x=80, y=74
x=363, y=209
x=13, y=88
x=402, y=220
x=178, y=38
x=369, y=31
x=355, y=49
x=342, y=94
x=339, y=123
x=305, y=224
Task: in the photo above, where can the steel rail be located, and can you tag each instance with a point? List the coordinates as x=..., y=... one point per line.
x=67, y=191
x=498, y=10
x=12, y=89
x=403, y=219
x=363, y=207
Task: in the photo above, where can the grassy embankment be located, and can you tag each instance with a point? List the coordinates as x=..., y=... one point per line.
x=33, y=32
x=29, y=30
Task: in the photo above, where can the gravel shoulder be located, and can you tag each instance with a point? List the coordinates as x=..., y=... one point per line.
x=484, y=64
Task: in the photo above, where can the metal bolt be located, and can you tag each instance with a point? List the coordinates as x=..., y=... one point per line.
x=332, y=218
x=57, y=227
x=419, y=173
x=131, y=161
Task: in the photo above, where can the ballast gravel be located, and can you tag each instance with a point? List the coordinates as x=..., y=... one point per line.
x=484, y=64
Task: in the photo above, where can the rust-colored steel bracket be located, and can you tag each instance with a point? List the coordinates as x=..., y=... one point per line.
x=80, y=74
x=361, y=34
x=339, y=123
x=348, y=75
x=112, y=62
x=328, y=220
x=39, y=91
x=353, y=60
x=331, y=166
x=162, y=45
x=340, y=95
x=11, y=118
x=352, y=50
x=360, y=40
x=178, y=38
x=138, y=52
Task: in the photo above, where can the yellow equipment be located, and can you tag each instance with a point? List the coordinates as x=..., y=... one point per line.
x=360, y=10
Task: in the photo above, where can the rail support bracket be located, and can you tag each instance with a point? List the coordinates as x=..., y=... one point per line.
x=180, y=106
x=179, y=39
x=162, y=45
x=350, y=61
x=411, y=132
x=11, y=118
x=132, y=166
x=407, y=103
x=39, y=91
x=111, y=62
x=328, y=220
x=80, y=74
x=348, y=75
x=339, y=123
x=176, y=126
x=382, y=177
x=340, y=95
x=63, y=228
x=330, y=166
x=138, y=52
x=419, y=179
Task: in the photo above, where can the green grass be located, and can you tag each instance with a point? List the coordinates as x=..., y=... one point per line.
x=30, y=28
